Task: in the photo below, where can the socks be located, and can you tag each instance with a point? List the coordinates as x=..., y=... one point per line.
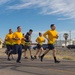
x=55, y=59
x=43, y=55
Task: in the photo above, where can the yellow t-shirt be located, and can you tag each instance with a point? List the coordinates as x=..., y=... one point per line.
x=17, y=35
x=52, y=36
x=40, y=40
x=9, y=39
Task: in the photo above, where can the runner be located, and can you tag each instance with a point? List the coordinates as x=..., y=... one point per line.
x=8, y=41
x=52, y=36
x=40, y=41
x=23, y=42
x=17, y=47
x=23, y=45
x=28, y=43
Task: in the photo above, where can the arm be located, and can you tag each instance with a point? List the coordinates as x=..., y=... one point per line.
x=44, y=40
x=14, y=37
x=6, y=38
x=57, y=35
x=37, y=40
x=45, y=35
x=23, y=38
x=28, y=38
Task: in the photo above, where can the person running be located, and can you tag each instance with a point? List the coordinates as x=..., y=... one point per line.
x=17, y=47
x=28, y=43
x=23, y=45
x=8, y=41
x=40, y=41
x=23, y=42
x=51, y=36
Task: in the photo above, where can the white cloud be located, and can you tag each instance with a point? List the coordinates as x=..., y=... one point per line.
x=65, y=8
x=3, y=1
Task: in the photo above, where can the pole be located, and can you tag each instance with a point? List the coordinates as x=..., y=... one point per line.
x=60, y=39
x=70, y=35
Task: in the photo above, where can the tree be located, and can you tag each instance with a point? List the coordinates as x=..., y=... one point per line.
x=66, y=37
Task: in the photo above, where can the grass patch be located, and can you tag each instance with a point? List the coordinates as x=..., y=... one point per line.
x=67, y=58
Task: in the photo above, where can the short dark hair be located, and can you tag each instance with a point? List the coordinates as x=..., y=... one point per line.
x=39, y=33
x=10, y=29
x=18, y=27
x=30, y=30
x=52, y=25
x=23, y=34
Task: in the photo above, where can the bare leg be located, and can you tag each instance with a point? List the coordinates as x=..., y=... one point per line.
x=46, y=51
x=44, y=54
x=25, y=54
x=8, y=56
x=35, y=56
x=31, y=54
x=37, y=52
x=54, y=55
x=12, y=56
x=40, y=52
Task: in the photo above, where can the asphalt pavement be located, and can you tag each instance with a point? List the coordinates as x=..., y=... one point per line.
x=36, y=67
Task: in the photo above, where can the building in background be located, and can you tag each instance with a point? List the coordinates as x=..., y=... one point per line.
x=61, y=43
x=1, y=43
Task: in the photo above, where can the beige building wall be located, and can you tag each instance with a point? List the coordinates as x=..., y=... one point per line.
x=1, y=44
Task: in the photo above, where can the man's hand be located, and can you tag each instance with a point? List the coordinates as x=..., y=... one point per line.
x=57, y=36
x=30, y=41
x=44, y=41
x=47, y=39
x=16, y=38
x=7, y=39
x=23, y=38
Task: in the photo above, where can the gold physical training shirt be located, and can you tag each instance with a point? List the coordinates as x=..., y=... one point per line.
x=52, y=36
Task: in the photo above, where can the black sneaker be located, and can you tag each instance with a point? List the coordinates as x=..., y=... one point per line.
x=57, y=61
x=18, y=62
x=6, y=52
x=9, y=59
x=35, y=57
x=32, y=58
x=26, y=58
x=41, y=58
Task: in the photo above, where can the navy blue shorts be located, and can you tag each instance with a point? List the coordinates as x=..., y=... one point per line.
x=39, y=46
x=9, y=47
x=51, y=46
x=27, y=48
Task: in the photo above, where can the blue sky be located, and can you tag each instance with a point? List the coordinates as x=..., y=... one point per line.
x=37, y=15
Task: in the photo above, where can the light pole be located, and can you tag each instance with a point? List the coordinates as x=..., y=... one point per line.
x=60, y=39
x=70, y=35
x=65, y=37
